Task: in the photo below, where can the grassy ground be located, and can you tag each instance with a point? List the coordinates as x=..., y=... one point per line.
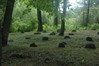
x=18, y=52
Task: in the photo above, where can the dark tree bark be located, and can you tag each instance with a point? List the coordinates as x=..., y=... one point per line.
x=56, y=21
x=1, y=3
x=0, y=44
x=63, y=19
x=87, y=19
x=62, y=27
x=40, y=26
x=83, y=22
x=56, y=15
x=7, y=21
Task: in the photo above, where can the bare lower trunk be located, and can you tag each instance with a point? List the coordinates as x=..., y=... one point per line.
x=7, y=21
x=56, y=21
x=87, y=19
x=40, y=26
x=62, y=27
x=0, y=44
x=56, y=14
x=63, y=19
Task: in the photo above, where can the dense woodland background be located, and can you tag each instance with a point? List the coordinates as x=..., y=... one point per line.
x=25, y=15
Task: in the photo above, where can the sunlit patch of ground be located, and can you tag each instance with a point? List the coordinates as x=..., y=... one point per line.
x=19, y=52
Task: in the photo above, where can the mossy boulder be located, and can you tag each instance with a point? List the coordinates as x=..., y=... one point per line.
x=67, y=37
x=62, y=45
x=53, y=33
x=37, y=33
x=45, y=38
x=74, y=31
x=44, y=31
x=22, y=31
x=19, y=55
x=33, y=45
x=93, y=29
x=71, y=34
x=10, y=40
x=58, y=30
x=28, y=38
x=97, y=33
x=89, y=39
x=90, y=46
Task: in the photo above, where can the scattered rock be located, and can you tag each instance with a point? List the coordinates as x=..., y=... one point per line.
x=58, y=30
x=70, y=62
x=74, y=31
x=93, y=29
x=90, y=46
x=17, y=55
x=53, y=33
x=71, y=34
x=33, y=45
x=60, y=34
x=89, y=39
x=97, y=33
x=45, y=38
x=11, y=41
x=62, y=45
x=47, y=60
x=67, y=37
x=44, y=31
x=22, y=31
x=37, y=33
x=28, y=38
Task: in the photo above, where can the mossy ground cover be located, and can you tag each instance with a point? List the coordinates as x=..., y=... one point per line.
x=47, y=53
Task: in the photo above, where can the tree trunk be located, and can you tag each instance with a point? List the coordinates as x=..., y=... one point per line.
x=0, y=44
x=56, y=21
x=62, y=27
x=63, y=19
x=87, y=19
x=7, y=21
x=40, y=26
x=84, y=20
x=56, y=14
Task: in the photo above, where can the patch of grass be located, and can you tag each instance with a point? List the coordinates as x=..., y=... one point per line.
x=48, y=53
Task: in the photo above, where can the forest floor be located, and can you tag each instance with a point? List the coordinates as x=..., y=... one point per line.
x=47, y=53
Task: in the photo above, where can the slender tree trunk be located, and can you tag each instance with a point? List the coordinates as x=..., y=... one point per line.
x=62, y=27
x=56, y=21
x=0, y=36
x=87, y=19
x=83, y=22
x=83, y=19
x=40, y=26
x=63, y=19
x=56, y=15
x=0, y=44
x=7, y=21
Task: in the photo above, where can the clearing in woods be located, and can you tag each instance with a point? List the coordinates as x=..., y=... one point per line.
x=48, y=53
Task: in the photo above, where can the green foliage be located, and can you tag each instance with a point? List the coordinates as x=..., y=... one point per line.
x=94, y=26
x=24, y=18
x=81, y=28
x=94, y=14
x=49, y=28
x=91, y=26
x=2, y=8
x=45, y=5
x=71, y=23
x=25, y=15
